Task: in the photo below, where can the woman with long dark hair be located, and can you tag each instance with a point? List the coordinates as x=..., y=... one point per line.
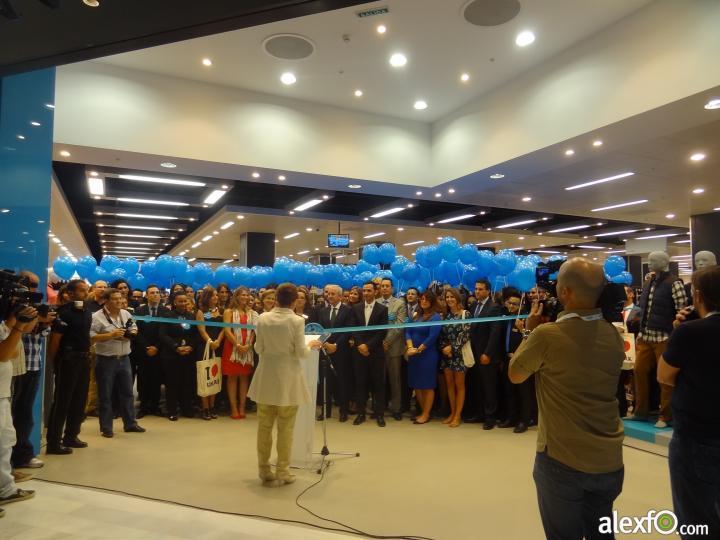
x=453, y=337
x=210, y=336
x=238, y=356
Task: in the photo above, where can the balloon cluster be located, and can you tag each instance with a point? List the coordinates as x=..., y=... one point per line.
x=447, y=261
x=615, y=271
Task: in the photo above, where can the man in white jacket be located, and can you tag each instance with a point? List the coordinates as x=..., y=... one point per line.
x=278, y=386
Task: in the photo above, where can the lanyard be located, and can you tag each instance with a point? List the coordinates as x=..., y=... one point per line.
x=107, y=316
x=588, y=318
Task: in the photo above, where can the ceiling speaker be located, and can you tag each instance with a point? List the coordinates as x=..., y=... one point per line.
x=490, y=12
x=288, y=46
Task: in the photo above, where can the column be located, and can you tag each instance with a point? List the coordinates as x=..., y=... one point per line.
x=256, y=249
x=705, y=237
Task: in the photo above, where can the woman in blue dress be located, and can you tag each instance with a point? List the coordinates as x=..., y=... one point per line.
x=422, y=354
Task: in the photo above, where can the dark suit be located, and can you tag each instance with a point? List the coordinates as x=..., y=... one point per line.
x=339, y=382
x=180, y=373
x=370, y=370
x=150, y=373
x=484, y=380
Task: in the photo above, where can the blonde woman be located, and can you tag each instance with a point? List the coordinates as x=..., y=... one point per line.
x=237, y=357
x=452, y=339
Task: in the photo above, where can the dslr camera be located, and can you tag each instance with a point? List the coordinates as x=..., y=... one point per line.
x=129, y=333
x=15, y=295
x=611, y=301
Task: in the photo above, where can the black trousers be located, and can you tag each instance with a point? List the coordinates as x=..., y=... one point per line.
x=25, y=388
x=369, y=376
x=149, y=381
x=180, y=380
x=339, y=380
x=484, y=390
x=72, y=379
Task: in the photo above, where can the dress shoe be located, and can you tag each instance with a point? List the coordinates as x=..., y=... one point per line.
x=141, y=414
x=381, y=421
x=58, y=449
x=107, y=434
x=75, y=443
x=320, y=417
x=506, y=424
x=173, y=418
x=135, y=429
x=489, y=425
x=359, y=419
x=343, y=417
x=520, y=428
x=472, y=420
x=34, y=463
x=397, y=416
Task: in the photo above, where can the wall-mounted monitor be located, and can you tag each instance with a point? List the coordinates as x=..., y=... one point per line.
x=338, y=241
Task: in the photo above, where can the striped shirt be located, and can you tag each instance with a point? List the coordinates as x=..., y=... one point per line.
x=650, y=335
x=33, y=345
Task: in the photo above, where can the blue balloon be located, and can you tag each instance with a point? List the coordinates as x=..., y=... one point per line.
x=387, y=253
x=424, y=279
x=468, y=253
x=224, y=274
x=522, y=278
x=623, y=277
x=346, y=281
x=203, y=274
x=332, y=273
x=180, y=266
x=130, y=265
x=614, y=265
x=164, y=267
x=138, y=281
x=397, y=266
x=421, y=256
x=450, y=273
x=147, y=269
x=364, y=266
x=434, y=257
x=410, y=272
x=118, y=273
x=64, y=267
x=242, y=277
x=505, y=262
x=85, y=266
x=371, y=254
x=297, y=274
x=100, y=274
x=110, y=263
x=449, y=248
x=484, y=262
x=316, y=277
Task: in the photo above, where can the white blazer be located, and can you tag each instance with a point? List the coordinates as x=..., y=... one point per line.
x=280, y=342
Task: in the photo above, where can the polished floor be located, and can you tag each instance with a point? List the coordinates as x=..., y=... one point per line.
x=428, y=480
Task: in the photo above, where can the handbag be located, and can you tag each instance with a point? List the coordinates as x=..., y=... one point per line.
x=209, y=375
x=467, y=352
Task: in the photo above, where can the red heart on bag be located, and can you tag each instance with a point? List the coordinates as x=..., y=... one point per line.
x=627, y=346
x=214, y=370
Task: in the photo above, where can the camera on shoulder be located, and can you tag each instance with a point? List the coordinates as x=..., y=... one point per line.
x=15, y=296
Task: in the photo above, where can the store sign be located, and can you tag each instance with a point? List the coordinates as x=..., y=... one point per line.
x=372, y=12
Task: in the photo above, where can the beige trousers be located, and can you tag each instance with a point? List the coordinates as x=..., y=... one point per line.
x=267, y=414
x=647, y=356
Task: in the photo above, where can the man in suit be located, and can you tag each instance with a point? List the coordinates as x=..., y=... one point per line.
x=337, y=349
x=487, y=346
x=147, y=348
x=369, y=355
x=394, y=345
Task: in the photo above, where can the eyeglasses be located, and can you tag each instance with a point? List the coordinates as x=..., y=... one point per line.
x=512, y=303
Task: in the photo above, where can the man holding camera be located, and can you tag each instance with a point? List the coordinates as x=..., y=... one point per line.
x=111, y=331
x=576, y=361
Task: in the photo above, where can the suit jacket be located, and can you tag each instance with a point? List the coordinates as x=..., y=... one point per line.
x=173, y=335
x=148, y=333
x=397, y=314
x=488, y=338
x=372, y=338
x=343, y=317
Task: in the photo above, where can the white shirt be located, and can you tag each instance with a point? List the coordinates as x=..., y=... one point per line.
x=6, y=368
x=368, y=312
x=102, y=323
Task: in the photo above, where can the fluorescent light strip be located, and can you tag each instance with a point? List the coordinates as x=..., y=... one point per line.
x=546, y=251
x=151, y=201
x=227, y=225
x=682, y=242
x=138, y=227
x=132, y=242
x=621, y=205
x=516, y=224
x=387, y=212
x=303, y=252
x=136, y=235
x=196, y=244
x=488, y=243
x=155, y=180
x=291, y=235
x=214, y=196
x=616, y=251
x=681, y=256
x=600, y=181
x=373, y=235
x=574, y=228
x=207, y=237
x=456, y=218
x=657, y=236
x=143, y=216
x=96, y=186
x=133, y=248
x=515, y=248
x=617, y=233
x=591, y=247
x=415, y=243
x=308, y=204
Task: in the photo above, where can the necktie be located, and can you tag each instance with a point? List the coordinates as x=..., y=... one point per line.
x=478, y=309
x=153, y=312
x=332, y=316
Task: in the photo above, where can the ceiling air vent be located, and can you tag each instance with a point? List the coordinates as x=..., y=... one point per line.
x=490, y=12
x=288, y=46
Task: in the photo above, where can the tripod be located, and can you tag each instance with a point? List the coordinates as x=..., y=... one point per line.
x=326, y=363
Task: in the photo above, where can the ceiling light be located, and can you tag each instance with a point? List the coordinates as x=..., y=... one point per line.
x=418, y=193
x=621, y=205
x=64, y=153
x=401, y=229
x=277, y=241
x=91, y=3
x=597, y=143
x=438, y=194
x=156, y=180
x=281, y=178
x=56, y=240
x=137, y=227
x=616, y=233
x=303, y=252
x=227, y=225
x=488, y=243
x=228, y=261
x=682, y=242
x=145, y=216
x=381, y=29
x=192, y=260
x=308, y=204
x=516, y=224
x=168, y=165
x=431, y=224
x=366, y=219
x=308, y=229
x=398, y=60
x=548, y=251
x=521, y=238
x=214, y=196
x=699, y=156
x=388, y=212
x=134, y=242
x=36, y=124
x=326, y=197
x=358, y=93
x=616, y=251
x=713, y=104
x=420, y=105
x=151, y=201
x=207, y=62
x=524, y=38
x=135, y=235
x=670, y=216
x=207, y=237
x=256, y=174
x=698, y=191
x=354, y=186
x=50, y=105
x=573, y=228
x=527, y=199
x=657, y=236
x=457, y=218
x=591, y=247
x=373, y=235
x=96, y=186
x=569, y=152
x=600, y=181
x=497, y=176
x=21, y=137
x=465, y=77
x=196, y=244
x=288, y=78
x=291, y=235
x=451, y=190
x=410, y=205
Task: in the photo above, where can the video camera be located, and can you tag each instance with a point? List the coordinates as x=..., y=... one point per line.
x=15, y=295
x=611, y=301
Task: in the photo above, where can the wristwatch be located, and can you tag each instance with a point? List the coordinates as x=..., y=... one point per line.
x=526, y=333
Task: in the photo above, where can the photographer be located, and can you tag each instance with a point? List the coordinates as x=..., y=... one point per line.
x=11, y=330
x=111, y=331
x=576, y=361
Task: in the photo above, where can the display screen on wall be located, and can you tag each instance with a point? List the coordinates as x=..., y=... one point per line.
x=338, y=240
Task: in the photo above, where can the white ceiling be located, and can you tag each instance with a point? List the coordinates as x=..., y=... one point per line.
x=437, y=41
x=64, y=227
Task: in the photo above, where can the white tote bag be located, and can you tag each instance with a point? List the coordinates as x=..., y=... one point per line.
x=209, y=375
x=467, y=353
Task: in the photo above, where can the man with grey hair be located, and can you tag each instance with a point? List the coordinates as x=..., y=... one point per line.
x=576, y=361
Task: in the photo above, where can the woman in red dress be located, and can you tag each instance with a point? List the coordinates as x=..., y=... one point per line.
x=237, y=357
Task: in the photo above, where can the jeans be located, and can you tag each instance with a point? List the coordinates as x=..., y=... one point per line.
x=572, y=502
x=285, y=416
x=7, y=441
x=695, y=482
x=25, y=389
x=112, y=372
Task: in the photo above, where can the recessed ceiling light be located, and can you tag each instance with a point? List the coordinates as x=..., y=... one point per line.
x=374, y=235
x=398, y=60
x=207, y=237
x=354, y=186
x=168, y=165
x=291, y=235
x=288, y=78
x=227, y=225
x=388, y=212
x=239, y=216
x=524, y=38
x=145, y=216
x=521, y=238
x=713, y=104
x=303, y=252
x=326, y=197
x=698, y=191
x=497, y=176
x=366, y=219
x=415, y=243
x=410, y=205
x=381, y=29
x=21, y=137
x=50, y=105
x=418, y=193
x=569, y=152
x=698, y=156
x=431, y=224
x=451, y=190
x=91, y=3
x=277, y=241
x=516, y=224
x=621, y=205
x=64, y=153
x=573, y=228
x=457, y=218
x=597, y=143
x=670, y=216
x=308, y=229
x=151, y=201
x=616, y=233
x=358, y=93
x=527, y=199
x=207, y=62
x=36, y=124
x=158, y=180
x=420, y=105
x=465, y=77
x=438, y=194
x=196, y=244
x=401, y=229
x=255, y=174
x=96, y=186
x=657, y=236
x=488, y=243
x=215, y=196
x=600, y=181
